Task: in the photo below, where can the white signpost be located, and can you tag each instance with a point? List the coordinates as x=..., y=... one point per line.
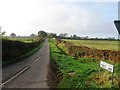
x=108, y=67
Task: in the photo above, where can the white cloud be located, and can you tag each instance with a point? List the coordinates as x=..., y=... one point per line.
x=24, y=17
x=65, y=19
x=17, y=15
x=88, y=0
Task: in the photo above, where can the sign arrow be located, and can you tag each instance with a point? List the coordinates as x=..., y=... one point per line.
x=117, y=24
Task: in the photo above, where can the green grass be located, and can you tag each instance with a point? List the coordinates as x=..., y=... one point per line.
x=99, y=44
x=87, y=72
x=22, y=39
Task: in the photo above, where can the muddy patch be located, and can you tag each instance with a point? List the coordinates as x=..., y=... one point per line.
x=83, y=51
x=54, y=75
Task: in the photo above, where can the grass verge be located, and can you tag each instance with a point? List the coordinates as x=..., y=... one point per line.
x=83, y=72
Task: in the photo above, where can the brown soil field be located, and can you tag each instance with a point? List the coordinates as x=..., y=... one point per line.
x=83, y=51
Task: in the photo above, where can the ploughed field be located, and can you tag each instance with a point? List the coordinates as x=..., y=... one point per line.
x=98, y=44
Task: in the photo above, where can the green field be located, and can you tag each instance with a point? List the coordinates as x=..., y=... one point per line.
x=22, y=39
x=98, y=44
x=83, y=72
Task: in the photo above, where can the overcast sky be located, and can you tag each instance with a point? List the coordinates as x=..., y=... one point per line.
x=92, y=18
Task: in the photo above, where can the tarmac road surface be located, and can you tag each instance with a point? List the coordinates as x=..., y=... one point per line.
x=30, y=73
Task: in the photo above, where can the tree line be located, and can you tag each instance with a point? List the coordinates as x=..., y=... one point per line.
x=44, y=34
